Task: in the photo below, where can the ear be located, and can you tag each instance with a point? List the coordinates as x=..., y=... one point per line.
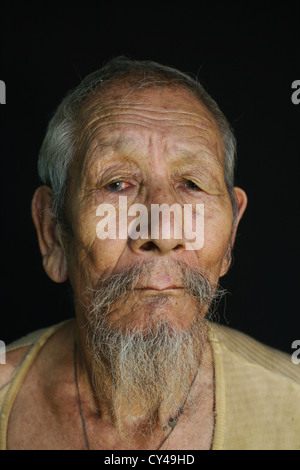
x=241, y=199
x=54, y=259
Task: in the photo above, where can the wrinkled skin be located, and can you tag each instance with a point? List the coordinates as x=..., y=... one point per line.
x=154, y=146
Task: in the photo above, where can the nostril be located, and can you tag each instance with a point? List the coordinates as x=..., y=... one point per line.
x=148, y=246
x=178, y=247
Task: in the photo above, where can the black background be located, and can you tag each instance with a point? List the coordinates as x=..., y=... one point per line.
x=247, y=58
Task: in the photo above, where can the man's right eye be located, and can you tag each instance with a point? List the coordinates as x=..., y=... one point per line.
x=117, y=186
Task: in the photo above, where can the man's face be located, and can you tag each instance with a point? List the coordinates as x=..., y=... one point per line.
x=154, y=146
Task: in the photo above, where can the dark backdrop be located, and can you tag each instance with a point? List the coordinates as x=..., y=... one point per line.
x=246, y=57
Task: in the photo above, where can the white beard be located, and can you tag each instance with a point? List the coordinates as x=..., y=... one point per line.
x=140, y=373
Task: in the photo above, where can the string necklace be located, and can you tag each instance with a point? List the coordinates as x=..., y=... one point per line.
x=79, y=400
x=172, y=422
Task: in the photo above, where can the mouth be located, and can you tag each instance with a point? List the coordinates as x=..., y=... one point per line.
x=159, y=289
x=159, y=283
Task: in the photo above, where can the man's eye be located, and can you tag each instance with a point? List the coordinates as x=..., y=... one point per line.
x=191, y=185
x=117, y=186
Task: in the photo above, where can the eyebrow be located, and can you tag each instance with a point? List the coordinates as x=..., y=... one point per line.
x=194, y=161
x=104, y=149
x=119, y=144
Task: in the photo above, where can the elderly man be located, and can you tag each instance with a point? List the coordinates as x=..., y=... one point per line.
x=141, y=366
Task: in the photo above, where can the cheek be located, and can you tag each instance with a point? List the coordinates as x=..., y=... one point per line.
x=102, y=256
x=217, y=231
x=91, y=257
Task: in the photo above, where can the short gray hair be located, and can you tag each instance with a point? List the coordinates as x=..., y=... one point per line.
x=59, y=146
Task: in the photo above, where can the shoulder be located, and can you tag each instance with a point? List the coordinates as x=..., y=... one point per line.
x=253, y=354
x=17, y=351
x=257, y=393
x=13, y=359
x=14, y=355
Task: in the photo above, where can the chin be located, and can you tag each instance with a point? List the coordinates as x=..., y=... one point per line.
x=153, y=312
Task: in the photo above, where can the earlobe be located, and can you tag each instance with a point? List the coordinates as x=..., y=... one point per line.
x=54, y=259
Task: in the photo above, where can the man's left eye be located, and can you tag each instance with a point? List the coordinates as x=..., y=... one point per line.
x=191, y=185
x=117, y=186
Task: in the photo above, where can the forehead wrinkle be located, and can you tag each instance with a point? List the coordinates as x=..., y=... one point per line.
x=168, y=105
x=113, y=148
x=107, y=145
x=152, y=123
x=103, y=112
x=106, y=109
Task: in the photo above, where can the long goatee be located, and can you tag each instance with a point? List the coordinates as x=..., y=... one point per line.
x=138, y=372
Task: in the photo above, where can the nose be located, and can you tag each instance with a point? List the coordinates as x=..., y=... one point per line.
x=162, y=230
x=160, y=246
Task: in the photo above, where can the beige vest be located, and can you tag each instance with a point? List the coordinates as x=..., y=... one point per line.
x=257, y=391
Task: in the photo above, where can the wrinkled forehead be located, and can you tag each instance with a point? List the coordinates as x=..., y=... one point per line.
x=173, y=111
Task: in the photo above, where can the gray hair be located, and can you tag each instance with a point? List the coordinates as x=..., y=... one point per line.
x=59, y=146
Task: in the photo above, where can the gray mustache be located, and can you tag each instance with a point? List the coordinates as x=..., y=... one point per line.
x=119, y=286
